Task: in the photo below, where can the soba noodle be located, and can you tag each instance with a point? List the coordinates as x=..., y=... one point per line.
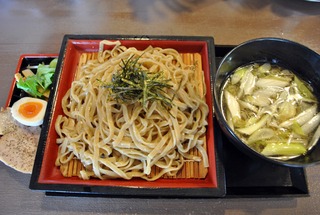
x=119, y=140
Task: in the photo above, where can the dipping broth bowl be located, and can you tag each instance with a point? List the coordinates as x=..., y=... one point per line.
x=302, y=61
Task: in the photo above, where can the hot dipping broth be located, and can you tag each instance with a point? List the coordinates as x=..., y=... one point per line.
x=271, y=110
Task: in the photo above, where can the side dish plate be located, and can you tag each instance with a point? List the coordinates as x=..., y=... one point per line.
x=46, y=176
x=26, y=61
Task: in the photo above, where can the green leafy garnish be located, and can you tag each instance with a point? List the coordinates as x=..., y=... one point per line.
x=36, y=85
x=132, y=83
x=53, y=63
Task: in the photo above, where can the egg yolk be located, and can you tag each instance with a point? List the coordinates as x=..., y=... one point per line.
x=30, y=109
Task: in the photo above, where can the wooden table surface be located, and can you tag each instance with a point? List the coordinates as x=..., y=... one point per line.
x=36, y=26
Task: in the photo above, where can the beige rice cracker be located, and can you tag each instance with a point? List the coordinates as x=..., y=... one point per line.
x=18, y=145
x=7, y=123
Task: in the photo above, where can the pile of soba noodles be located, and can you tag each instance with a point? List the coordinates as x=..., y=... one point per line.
x=115, y=139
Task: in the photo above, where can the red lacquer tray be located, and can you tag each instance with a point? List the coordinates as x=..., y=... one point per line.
x=46, y=176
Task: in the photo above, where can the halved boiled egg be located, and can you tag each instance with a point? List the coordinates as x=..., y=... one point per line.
x=29, y=111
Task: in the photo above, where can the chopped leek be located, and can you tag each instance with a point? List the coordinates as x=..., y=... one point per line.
x=296, y=128
x=239, y=73
x=274, y=149
x=264, y=68
x=267, y=82
x=233, y=105
x=268, y=91
x=311, y=124
x=304, y=90
x=247, y=83
x=287, y=110
x=302, y=117
x=248, y=106
x=261, y=134
x=315, y=138
x=229, y=120
x=259, y=100
x=252, y=128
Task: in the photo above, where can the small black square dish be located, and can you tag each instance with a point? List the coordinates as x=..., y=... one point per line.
x=30, y=61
